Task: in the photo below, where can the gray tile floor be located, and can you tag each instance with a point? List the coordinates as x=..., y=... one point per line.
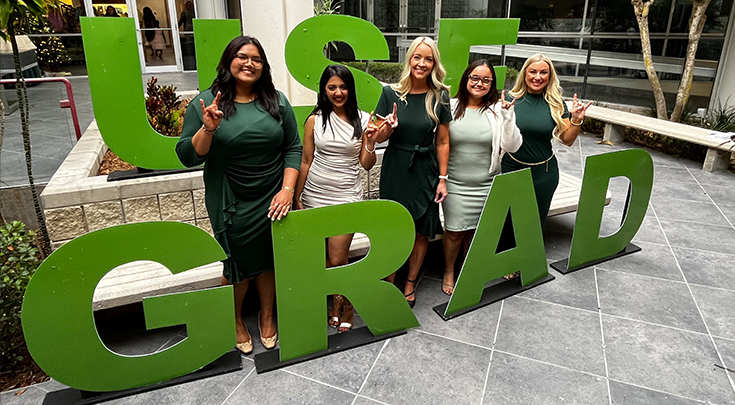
x=655, y=327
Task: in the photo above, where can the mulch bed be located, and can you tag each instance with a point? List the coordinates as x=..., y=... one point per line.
x=22, y=375
x=112, y=163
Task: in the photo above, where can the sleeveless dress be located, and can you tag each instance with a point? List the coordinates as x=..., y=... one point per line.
x=470, y=157
x=410, y=171
x=533, y=118
x=334, y=175
x=243, y=171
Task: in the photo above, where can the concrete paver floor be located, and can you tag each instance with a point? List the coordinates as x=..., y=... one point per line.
x=654, y=327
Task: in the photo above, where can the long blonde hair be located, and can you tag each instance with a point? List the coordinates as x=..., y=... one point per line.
x=552, y=92
x=435, y=81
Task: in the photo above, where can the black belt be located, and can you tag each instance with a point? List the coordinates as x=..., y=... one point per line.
x=414, y=149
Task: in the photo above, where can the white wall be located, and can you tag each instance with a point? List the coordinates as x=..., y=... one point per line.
x=210, y=9
x=271, y=21
x=724, y=87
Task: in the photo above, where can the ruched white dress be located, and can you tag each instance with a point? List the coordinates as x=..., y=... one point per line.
x=334, y=175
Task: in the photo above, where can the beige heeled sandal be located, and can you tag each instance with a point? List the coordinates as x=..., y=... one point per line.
x=268, y=342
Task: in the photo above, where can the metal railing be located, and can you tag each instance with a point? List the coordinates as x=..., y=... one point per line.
x=68, y=103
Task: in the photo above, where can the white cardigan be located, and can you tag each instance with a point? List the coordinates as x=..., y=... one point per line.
x=506, y=135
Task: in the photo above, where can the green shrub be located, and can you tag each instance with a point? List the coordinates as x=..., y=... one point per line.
x=510, y=77
x=665, y=144
x=386, y=72
x=18, y=259
x=721, y=119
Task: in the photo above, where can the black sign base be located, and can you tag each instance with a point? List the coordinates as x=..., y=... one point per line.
x=492, y=294
x=338, y=342
x=228, y=363
x=140, y=172
x=561, y=265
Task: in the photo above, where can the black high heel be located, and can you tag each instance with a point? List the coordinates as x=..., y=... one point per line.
x=411, y=303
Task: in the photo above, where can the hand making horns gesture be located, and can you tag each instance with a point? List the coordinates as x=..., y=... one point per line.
x=211, y=114
x=504, y=103
x=579, y=108
x=386, y=125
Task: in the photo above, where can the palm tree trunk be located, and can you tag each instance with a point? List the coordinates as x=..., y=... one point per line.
x=641, y=9
x=2, y=136
x=696, y=25
x=22, y=92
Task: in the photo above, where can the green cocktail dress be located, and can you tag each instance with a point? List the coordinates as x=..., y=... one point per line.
x=410, y=170
x=243, y=171
x=533, y=118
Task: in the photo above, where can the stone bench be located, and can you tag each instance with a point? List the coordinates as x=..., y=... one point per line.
x=718, y=155
x=131, y=282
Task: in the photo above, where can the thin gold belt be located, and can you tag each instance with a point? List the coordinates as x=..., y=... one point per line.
x=533, y=164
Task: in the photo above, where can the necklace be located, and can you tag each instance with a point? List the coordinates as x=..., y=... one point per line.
x=245, y=100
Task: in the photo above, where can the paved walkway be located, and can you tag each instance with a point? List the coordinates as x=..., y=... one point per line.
x=655, y=327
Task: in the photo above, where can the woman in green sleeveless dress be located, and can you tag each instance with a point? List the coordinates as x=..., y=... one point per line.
x=245, y=133
x=542, y=115
x=414, y=167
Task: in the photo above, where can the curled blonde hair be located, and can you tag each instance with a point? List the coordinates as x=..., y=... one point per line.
x=435, y=80
x=552, y=92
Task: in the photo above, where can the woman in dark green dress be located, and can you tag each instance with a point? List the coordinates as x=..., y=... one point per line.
x=414, y=168
x=542, y=115
x=245, y=133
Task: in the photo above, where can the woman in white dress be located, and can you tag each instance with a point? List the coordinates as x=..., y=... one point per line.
x=335, y=146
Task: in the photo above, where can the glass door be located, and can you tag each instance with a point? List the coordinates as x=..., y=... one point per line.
x=158, y=36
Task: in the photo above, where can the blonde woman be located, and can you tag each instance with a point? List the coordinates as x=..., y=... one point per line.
x=414, y=168
x=542, y=115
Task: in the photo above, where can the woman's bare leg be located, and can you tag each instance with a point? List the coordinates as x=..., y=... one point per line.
x=451, y=243
x=240, y=289
x=338, y=250
x=420, y=245
x=266, y=285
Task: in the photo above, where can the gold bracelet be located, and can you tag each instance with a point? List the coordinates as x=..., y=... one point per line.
x=289, y=189
x=576, y=125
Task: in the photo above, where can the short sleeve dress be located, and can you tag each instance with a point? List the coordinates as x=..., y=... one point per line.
x=243, y=171
x=533, y=118
x=334, y=175
x=410, y=171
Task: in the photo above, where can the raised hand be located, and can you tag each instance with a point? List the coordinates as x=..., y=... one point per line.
x=579, y=108
x=211, y=114
x=504, y=103
x=390, y=119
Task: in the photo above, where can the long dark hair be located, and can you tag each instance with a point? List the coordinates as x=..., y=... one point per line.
x=463, y=96
x=325, y=107
x=225, y=82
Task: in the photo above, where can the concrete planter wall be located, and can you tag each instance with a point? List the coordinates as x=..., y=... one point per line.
x=77, y=201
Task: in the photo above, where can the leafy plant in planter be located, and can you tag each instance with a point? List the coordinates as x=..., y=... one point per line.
x=165, y=108
x=19, y=259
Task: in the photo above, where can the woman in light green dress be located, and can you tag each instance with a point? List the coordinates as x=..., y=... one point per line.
x=483, y=129
x=245, y=133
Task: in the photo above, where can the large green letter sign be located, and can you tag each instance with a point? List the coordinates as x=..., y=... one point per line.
x=456, y=36
x=113, y=64
x=58, y=322
x=306, y=61
x=637, y=166
x=512, y=191
x=303, y=281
